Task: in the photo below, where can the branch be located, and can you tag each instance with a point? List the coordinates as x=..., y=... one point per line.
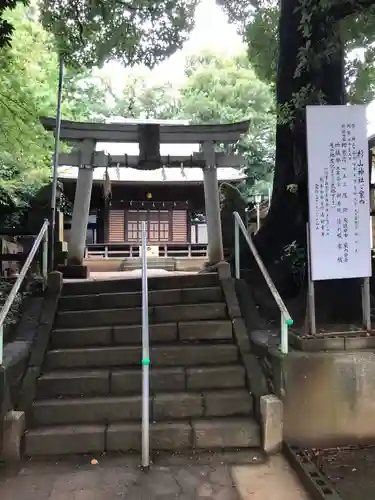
x=347, y=8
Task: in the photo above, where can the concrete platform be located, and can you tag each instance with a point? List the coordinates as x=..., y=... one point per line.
x=329, y=398
x=126, y=264
x=135, y=274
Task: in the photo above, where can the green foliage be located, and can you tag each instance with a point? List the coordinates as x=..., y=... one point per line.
x=223, y=89
x=23, y=95
x=143, y=98
x=28, y=86
x=355, y=25
x=89, y=32
x=85, y=96
x=6, y=27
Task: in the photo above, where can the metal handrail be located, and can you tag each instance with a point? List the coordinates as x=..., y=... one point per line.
x=286, y=319
x=145, y=356
x=42, y=236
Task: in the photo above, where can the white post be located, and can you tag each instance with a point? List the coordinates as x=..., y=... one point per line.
x=258, y=200
x=311, y=287
x=81, y=208
x=145, y=356
x=212, y=202
x=1, y=344
x=237, y=249
x=258, y=216
x=284, y=345
x=45, y=257
x=366, y=304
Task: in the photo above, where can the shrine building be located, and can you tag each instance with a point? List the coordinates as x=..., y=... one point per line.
x=112, y=176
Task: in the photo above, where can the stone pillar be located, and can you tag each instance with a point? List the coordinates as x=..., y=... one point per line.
x=212, y=202
x=81, y=208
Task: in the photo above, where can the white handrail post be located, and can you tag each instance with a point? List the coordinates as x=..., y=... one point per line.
x=286, y=320
x=284, y=335
x=237, y=249
x=45, y=256
x=366, y=304
x=1, y=343
x=145, y=356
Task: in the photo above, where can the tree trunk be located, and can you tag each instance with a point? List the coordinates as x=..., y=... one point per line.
x=338, y=300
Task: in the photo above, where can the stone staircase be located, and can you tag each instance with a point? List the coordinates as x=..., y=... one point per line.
x=88, y=396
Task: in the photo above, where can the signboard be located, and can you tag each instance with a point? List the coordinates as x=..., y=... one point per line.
x=151, y=251
x=339, y=198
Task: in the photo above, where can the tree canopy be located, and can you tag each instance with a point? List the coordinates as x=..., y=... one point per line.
x=28, y=85
x=6, y=27
x=216, y=89
x=131, y=31
x=142, y=97
x=258, y=22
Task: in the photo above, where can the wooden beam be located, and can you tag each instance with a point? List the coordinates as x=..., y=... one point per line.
x=196, y=160
x=128, y=132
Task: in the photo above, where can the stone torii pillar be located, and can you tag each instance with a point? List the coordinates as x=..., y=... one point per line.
x=81, y=207
x=212, y=202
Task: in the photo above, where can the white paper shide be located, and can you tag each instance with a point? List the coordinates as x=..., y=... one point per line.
x=339, y=201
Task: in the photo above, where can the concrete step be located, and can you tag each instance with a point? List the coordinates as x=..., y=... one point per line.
x=124, y=356
x=131, y=263
x=132, y=334
x=119, y=382
x=134, y=299
x=131, y=316
x=201, y=434
x=89, y=287
x=163, y=407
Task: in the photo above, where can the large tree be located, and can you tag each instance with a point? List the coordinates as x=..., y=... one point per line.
x=304, y=48
x=310, y=70
x=258, y=22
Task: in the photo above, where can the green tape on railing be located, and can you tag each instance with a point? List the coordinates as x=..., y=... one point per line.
x=145, y=361
x=289, y=322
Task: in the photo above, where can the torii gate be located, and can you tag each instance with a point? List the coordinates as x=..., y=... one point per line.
x=85, y=136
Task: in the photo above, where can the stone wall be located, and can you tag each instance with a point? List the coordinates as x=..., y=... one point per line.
x=329, y=398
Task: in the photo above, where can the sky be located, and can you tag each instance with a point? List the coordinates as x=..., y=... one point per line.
x=212, y=30
x=216, y=34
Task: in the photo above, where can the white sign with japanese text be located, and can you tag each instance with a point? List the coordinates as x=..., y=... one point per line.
x=339, y=198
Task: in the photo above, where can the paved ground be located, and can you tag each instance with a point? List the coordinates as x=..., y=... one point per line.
x=351, y=470
x=114, y=479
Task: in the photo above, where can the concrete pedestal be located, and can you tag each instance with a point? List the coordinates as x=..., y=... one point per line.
x=72, y=271
x=329, y=398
